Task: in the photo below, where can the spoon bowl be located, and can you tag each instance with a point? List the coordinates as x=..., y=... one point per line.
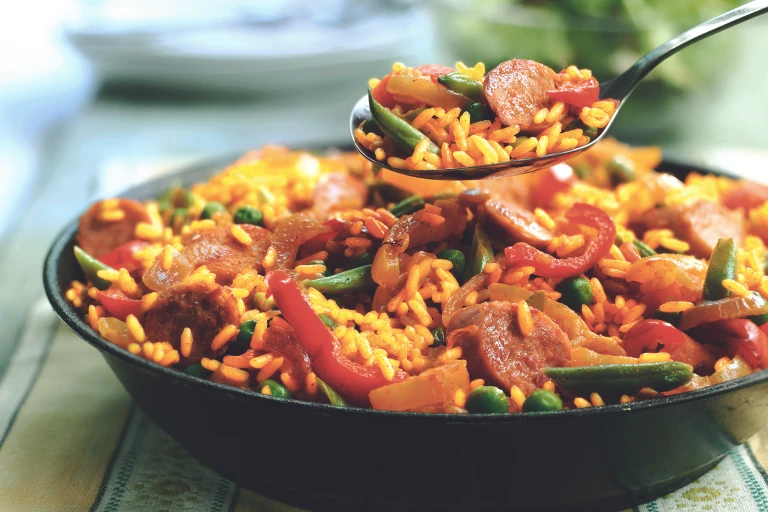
x=617, y=89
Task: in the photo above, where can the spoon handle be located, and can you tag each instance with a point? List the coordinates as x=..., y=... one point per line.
x=622, y=85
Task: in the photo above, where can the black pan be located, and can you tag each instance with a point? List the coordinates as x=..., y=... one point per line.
x=323, y=458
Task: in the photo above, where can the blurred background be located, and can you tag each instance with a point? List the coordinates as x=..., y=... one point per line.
x=96, y=95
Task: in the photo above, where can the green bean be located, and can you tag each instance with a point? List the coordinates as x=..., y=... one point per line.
x=333, y=397
x=408, y=205
x=621, y=379
x=350, y=281
x=398, y=130
x=643, y=249
x=461, y=83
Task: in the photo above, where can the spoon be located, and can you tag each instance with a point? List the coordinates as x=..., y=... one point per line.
x=618, y=88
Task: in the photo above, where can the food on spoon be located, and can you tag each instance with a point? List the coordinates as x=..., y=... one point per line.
x=436, y=117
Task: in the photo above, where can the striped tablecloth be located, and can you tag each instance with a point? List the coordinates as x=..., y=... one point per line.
x=72, y=440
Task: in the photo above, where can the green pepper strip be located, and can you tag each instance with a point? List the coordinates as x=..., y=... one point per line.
x=643, y=249
x=461, y=83
x=621, y=379
x=401, y=133
x=480, y=253
x=91, y=267
x=353, y=280
x=538, y=300
x=332, y=395
x=722, y=265
x=408, y=205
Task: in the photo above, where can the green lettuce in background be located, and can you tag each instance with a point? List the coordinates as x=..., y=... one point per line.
x=606, y=36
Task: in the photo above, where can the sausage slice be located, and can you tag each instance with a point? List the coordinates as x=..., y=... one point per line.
x=205, y=308
x=224, y=255
x=98, y=236
x=700, y=223
x=518, y=223
x=497, y=351
x=516, y=89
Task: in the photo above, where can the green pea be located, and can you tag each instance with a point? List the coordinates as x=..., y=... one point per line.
x=487, y=400
x=456, y=257
x=621, y=169
x=590, y=131
x=370, y=126
x=575, y=292
x=542, y=400
x=243, y=340
x=210, y=208
x=618, y=241
x=249, y=215
x=197, y=370
x=438, y=333
x=275, y=388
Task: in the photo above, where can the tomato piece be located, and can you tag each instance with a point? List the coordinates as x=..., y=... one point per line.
x=746, y=196
x=434, y=71
x=580, y=94
x=352, y=380
x=118, y=304
x=743, y=337
x=381, y=94
x=122, y=255
x=647, y=335
x=558, y=178
x=546, y=265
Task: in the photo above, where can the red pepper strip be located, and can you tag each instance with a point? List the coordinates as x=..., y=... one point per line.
x=118, y=304
x=646, y=335
x=382, y=95
x=283, y=341
x=558, y=178
x=546, y=265
x=122, y=255
x=741, y=335
x=581, y=94
x=433, y=71
x=352, y=380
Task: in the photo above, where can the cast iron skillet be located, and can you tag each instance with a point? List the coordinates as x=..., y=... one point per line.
x=323, y=458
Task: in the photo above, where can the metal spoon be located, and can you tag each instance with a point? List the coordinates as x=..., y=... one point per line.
x=618, y=88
